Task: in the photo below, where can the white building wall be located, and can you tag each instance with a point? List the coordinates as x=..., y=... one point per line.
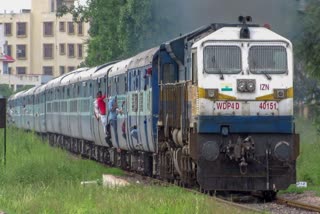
x=41, y=11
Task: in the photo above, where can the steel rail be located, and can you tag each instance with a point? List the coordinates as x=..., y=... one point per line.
x=297, y=204
x=213, y=197
x=156, y=181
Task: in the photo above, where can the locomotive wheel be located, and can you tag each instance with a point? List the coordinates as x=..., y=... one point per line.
x=269, y=196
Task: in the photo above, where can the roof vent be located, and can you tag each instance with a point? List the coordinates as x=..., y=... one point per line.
x=245, y=32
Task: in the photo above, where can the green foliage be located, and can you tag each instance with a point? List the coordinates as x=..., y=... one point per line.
x=5, y=90
x=309, y=47
x=118, y=29
x=308, y=168
x=42, y=179
x=309, y=54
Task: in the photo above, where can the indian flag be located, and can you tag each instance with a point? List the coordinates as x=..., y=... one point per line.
x=226, y=87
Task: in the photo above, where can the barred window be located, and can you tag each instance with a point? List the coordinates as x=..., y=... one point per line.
x=268, y=59
x=62, y=27
x=222, y=59
x=48, y=28
x=149, y=101
x=70, y=28
x=62, y=70
x=80, y=51
x=47, y=70
x=85, y=106
x=21, y=29
x=80, y=28
x=134, y=102
x=62, y=48
x=21, y=70
x=48, y=107
x=71, y=68
x=21, y=51
x=70, y=50
x=141, y=102
x=47, y=51
x=7, y=29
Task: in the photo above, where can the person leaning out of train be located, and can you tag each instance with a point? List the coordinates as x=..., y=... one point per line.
x=102, y=110
x=113, y=113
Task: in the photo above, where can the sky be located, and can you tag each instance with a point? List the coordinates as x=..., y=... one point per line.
x=17, y=5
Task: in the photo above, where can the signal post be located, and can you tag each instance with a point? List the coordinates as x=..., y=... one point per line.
x=3, y=126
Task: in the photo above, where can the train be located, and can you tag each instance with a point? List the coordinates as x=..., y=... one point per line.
x=211, y=109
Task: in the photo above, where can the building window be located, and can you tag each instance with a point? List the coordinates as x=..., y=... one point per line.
x=70, y=28
x=48, y=29
x=9, y=50
x=47, y=70
x=80, y=28
x=21, y=29
x=70, y=50
x=62, y=48
x=21, y=52
x=62, y=70
x=59, y=3
x=71, y=68
x=62, y=27
x=80, y=51
x=8, y=29
x=52, y=5
x=21, y=70
x=47, y=51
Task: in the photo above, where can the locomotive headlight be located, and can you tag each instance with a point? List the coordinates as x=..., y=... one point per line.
x=241, y=85
x=282, y=151
x=280, y=93
x=245, y=85
x=251, y=85
x=212, y=93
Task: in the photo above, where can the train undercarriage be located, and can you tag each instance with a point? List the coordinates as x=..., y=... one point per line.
x=172, y=164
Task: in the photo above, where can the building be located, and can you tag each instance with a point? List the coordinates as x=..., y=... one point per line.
x=41, y=43
x=4, y=58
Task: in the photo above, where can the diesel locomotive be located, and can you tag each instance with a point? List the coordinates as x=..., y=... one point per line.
x=212, y=108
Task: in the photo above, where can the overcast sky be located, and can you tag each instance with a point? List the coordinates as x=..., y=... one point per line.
x=17, y=5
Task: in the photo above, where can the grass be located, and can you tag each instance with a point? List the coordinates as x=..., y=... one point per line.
x=308, y=167
x=42, y=179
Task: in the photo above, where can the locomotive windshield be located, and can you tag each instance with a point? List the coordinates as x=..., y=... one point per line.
x=222, y=59
x=268, y=60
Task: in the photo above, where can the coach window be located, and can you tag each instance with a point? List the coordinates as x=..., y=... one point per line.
x=169, y=74
x=68, y=92
x=125, y=83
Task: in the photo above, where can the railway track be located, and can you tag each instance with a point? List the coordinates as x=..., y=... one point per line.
x=228, y=201
x=296, y=204
x=240, y=206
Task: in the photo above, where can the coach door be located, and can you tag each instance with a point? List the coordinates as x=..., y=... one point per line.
x=99, y=135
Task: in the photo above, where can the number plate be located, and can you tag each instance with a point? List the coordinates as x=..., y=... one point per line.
x=227, y=105
x=269, y=105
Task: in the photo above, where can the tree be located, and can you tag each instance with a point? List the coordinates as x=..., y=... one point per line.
x=309, y=47
x=309, y=53
x=5, y=90
x=119, y=28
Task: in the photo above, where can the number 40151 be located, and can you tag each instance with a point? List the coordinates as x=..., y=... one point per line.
x=268, y=105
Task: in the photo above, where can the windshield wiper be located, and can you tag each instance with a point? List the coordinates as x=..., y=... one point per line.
x=221, y=74
x=266, y=74
x=213, y=59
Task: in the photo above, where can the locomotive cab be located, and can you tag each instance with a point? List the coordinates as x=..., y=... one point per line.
x=244, y=110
